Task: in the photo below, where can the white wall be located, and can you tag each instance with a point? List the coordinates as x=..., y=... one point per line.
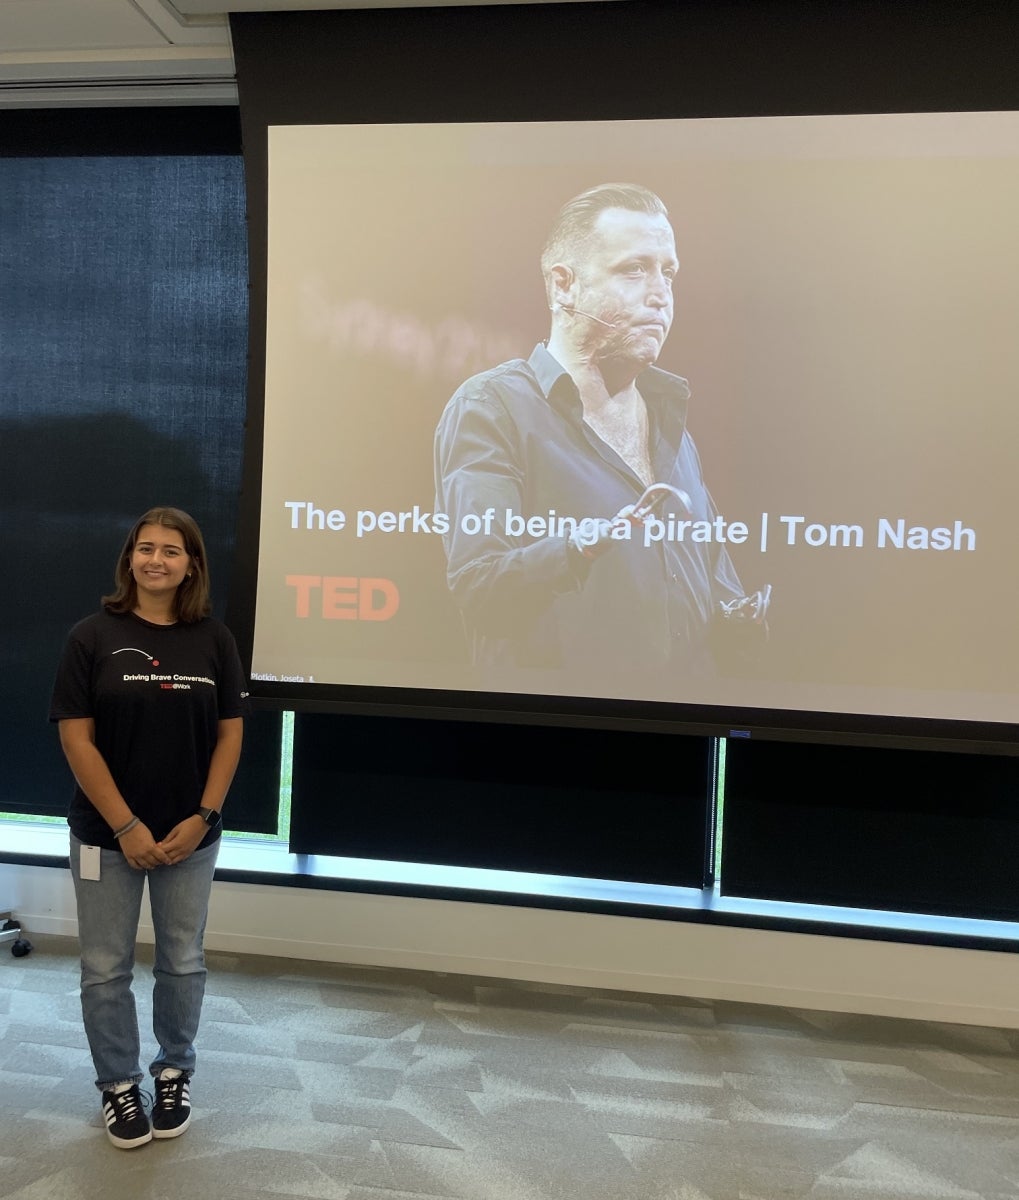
x=979, y=987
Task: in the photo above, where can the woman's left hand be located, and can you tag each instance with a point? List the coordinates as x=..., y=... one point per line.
x=184, y=838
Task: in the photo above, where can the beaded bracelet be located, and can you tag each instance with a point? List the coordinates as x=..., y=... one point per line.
x=118, y=833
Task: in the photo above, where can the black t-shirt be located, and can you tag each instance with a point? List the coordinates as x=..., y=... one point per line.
x=156, y=694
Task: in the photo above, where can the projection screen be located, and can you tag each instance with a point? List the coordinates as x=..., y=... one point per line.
x=836, y=419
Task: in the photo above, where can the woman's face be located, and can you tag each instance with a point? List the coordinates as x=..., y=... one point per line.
x=158, y=560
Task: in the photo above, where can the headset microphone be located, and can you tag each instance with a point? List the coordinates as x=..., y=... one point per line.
x=576, y=312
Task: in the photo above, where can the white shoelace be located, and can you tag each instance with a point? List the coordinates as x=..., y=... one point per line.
x=124, y=1105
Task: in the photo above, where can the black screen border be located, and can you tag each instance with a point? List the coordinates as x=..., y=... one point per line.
x=599, y=60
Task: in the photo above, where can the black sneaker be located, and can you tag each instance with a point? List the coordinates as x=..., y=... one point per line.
x=127, y=1123
x=171, y=1112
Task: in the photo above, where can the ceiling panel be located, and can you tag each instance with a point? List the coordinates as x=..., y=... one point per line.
x=212, y=6
x=97, y=52
x=37, y=26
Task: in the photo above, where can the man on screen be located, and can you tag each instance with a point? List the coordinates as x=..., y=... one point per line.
x=568, y=477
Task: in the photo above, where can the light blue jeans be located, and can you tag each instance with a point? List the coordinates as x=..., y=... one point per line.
x=108, y=912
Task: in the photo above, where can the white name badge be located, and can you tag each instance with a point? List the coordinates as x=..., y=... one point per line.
x=90, y=862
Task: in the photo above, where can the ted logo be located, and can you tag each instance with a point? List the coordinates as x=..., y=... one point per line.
x=345, y=597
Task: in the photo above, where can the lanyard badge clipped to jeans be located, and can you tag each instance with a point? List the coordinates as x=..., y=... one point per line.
x=89, y=863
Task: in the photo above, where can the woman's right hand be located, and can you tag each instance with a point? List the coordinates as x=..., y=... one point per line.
x=140, y=850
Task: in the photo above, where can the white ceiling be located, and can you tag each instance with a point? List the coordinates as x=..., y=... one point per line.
x=61, y=53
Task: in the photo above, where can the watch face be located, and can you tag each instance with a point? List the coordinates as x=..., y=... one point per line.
x=211, y=817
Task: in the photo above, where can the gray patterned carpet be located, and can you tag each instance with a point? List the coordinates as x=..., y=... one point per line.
x=360, y=1084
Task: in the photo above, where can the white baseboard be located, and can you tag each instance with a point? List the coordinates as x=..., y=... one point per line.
x=669, y=957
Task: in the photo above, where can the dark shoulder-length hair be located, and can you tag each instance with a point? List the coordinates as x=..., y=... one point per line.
x=192, y=599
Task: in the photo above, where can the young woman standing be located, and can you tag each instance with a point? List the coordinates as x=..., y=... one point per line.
x=149, y=698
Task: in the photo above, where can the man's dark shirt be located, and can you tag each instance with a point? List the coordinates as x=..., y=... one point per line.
x=631, y=622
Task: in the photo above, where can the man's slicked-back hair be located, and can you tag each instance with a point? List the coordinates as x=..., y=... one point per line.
x=575, y=222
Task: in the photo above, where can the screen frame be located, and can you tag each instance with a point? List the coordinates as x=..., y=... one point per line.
x=742, y=58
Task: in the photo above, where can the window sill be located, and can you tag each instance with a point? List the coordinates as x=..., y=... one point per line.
x=251, y=860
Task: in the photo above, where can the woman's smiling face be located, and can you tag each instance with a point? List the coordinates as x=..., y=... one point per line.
x=159, y=562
